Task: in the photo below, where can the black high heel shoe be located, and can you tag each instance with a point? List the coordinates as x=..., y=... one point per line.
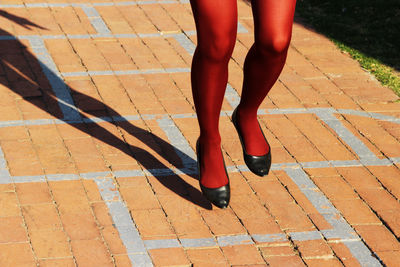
x=219, y=196
x=259, y=165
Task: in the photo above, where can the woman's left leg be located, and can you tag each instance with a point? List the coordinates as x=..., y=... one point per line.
x=264, y=62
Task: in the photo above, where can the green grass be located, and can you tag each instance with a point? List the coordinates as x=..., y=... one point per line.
x=369, y=30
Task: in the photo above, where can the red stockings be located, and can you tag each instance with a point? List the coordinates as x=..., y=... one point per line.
x=216, y=24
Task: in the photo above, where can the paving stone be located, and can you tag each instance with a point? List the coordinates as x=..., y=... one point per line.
x=243, y=255
x=91, y=253
x=378, y=237
x=50, y=243
x=169, y=256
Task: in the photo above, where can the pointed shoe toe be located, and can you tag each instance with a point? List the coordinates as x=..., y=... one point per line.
x=259, y=165
x=218, y=196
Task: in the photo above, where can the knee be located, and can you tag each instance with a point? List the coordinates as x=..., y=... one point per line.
x=273, y=45
x=217, y=47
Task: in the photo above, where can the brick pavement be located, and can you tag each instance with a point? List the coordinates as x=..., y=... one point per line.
x=97, y=130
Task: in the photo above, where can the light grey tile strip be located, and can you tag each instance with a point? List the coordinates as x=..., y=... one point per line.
x=341, y=229
x=95, y=19
x=376, y=162
x=185, y=42
x=315, y=164
x=93, y=175
x=232, y=96
x=29, y=179
x=141, y=260
x=124, y=72
x=303, y=236
x=162, y=243
x=367, y=114
x=280, y=166
x=345, y=163
x=5, y=176
x=123, y=222
x=385, y=117
x=50, y=70
x=270, y=238
x=81, y=36
x=362, y=254
x=127, y=3
x=241, y=28
x=126, y=35
x=198, y=242
x=182, y=147
x=62, y=177
x=395, y=160
x=362, y=151
x=11, y=6
x=191, y=168
x=288, y=111
x=128, y=173
x=108, y=190
x=233, y=240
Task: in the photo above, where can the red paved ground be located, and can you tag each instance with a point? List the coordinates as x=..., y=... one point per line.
x=53, y=214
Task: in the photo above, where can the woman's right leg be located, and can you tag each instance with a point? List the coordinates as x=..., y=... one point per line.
x=216, y=25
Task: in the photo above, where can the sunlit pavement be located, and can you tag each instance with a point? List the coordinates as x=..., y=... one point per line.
x=97, y=131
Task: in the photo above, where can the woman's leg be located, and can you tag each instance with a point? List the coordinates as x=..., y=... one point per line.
x=216, y=25
x=273, y=28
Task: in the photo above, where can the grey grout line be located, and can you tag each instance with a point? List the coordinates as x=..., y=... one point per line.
x=198, y=242
x=34, y=178
x=362, y=253
x=161, y=243
x=269, y=238
x=341, y=229
x=362, y=151
x=232, y=96
x=50, y=70
x=123, y=223
x=178, y=36
x=185, y=42
x=178, y=141
x=5, y=176
x=127, y=3
x=125, y=72
x=370, y=115
x=233, y=240
x=153, y=116
x=304, y=236
x=95, y=19
x=190, y=168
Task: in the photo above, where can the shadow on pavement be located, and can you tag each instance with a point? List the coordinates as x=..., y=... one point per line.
x=369, y=26
x=24, y=76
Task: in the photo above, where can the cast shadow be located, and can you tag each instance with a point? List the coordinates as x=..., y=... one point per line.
x=370, y=27
x=25, y=76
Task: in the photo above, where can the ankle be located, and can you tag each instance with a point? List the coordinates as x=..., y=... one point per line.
x=246, y=113
x=207, y=141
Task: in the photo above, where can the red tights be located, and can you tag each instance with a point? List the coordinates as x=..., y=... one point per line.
x=216, y=24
